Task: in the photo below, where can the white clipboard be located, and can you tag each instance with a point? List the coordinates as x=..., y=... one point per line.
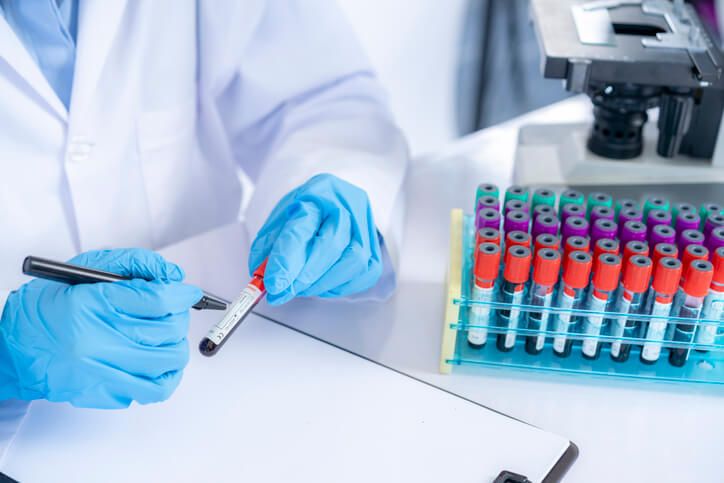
x=276, y=405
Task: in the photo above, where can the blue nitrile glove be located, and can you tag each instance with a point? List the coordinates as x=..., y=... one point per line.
x=321, y=241
x=99, y=345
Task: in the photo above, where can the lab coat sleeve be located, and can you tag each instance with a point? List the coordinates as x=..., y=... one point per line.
x=304, y=100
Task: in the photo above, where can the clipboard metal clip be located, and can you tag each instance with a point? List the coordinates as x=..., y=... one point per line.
x=510, y=477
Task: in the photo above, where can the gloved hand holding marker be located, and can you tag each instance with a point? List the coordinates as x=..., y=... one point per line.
x=100, y=345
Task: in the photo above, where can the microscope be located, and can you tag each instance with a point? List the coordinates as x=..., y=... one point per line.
x=654, y=76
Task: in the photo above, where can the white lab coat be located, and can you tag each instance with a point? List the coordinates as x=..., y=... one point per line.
x=171, y=98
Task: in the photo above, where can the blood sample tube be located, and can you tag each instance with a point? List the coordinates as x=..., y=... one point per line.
x=488, y=202
x=715, y=239
x=488, y=218
x=634, y=285
x=624, y=204
x=667, y=275
x=543, y=210
x=487, y=265
x=603, y=229
x=626, y=215
x=713, y=309
x=661, y=234
x=658, y=217
x=570, y=210
x=543, y=196
x=575, y=244
x=632, y=230
x=486, y=189
x=691, y=253
x=517, y=238
x=655, y=203
x=516, y=193
x=605, y=281
x=546, y=268
x=687, y=221
x=663, y=250
x=516, y=220
x=598, y=199
x=576, y=274
x=545, y=224
x=712, y=221
x=487, y=235
x=515, y=205
x=707, y=209
x=605, y=245
x=690, y=237
x=546, y=240
x=574, y=226
x=695, y=287
x=682, y=207
x=235, y=314
x=570, y=197
x=633, y=248
x=515, y=275
x=601, y=213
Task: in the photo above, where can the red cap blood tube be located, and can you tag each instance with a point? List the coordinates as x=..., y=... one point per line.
x=635, y=283
x=517, y=238
x=487, y=235
x=605, y=281
x=691, y=253
x=546, y=269
x=515, y=275
x=546, y=240
x=663, y=250
x=667, y=275
x=713, y=311
x=695, y=287
x=634, y=247
x=576, y=275
x=235, y=314
x=487, y=266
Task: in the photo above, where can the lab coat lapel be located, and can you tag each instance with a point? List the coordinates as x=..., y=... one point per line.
x=14, y=53
x=98, y=24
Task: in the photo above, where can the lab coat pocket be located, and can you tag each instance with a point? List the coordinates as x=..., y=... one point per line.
x=168, y=150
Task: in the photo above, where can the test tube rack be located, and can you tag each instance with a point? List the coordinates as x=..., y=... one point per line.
x=704, y=365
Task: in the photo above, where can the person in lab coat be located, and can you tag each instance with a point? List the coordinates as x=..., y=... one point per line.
x=125, y=124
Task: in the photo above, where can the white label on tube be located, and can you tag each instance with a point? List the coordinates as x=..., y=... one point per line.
x=618, y=325
x=592, y=326
x=541, y=339
x=236, y=312
x=656, y=331
x=713, y=310
x=510, y=336
x=563, y=321
x=479, y=315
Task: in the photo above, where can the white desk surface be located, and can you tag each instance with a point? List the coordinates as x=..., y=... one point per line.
x=626, y=431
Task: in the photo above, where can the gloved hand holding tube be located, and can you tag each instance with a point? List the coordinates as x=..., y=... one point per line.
x=320, y=240
x=99, y=345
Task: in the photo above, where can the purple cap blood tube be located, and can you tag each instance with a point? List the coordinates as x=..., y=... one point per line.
x=516, y=220
x=715, y=239
x=572, y=210
x=543, y=210
x=544, y=224
x=632, y=230
x=601, y=212
x=488, y=218
x=488, y=202
x=628, y=214
x=518, y=205
x=687, y=221
x=661, y=234
x=658, y=217
x=712, y=221
x=574, y=226
x=690, y=237
x=603, y=228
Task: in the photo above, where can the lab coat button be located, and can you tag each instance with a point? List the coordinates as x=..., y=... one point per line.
x=79, y=148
